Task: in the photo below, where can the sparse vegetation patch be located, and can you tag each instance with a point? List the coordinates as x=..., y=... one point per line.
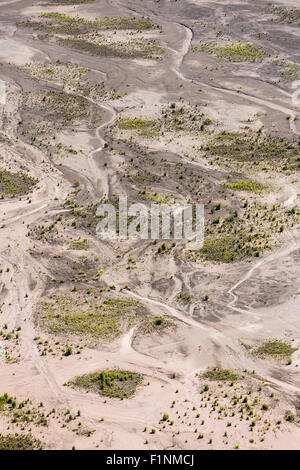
x=19, y=442
x=289, y=70
x=111, y=383
x=135, y=50
x=79, y=33
x=69, y=2
x=253, y=147
x=275, y=348
x=87, y=316
x=221, y=248
x=156, y=324
x=214, y=373
x=286, y=15
x=249, y=186
x=135, y=123
x=16, y=184
x=60, y=23
x=236, y=52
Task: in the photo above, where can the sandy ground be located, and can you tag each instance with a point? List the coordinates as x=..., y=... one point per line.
x=253, y=300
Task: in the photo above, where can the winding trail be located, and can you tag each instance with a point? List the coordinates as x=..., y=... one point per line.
x=172, y=311
x=94, y=170
x=25, y=214
x=9, y=2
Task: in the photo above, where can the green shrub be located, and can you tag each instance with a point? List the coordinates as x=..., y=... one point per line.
x=214, y=373
x=249, y=186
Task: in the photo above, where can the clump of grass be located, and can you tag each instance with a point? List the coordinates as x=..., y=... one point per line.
x=289, y=416
x=124, y=23
x=80, y=245
x=289, y=70
x=286, y=15
x=5, y=399
x=275, y=348
x=236, y=52
x=135, y=123
x=69, y=2
x=109, y=383
x=184, y=297
x=220, y=248
x=215, y=373
x=249, y=186
x=159, y=198
x=19, y=442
